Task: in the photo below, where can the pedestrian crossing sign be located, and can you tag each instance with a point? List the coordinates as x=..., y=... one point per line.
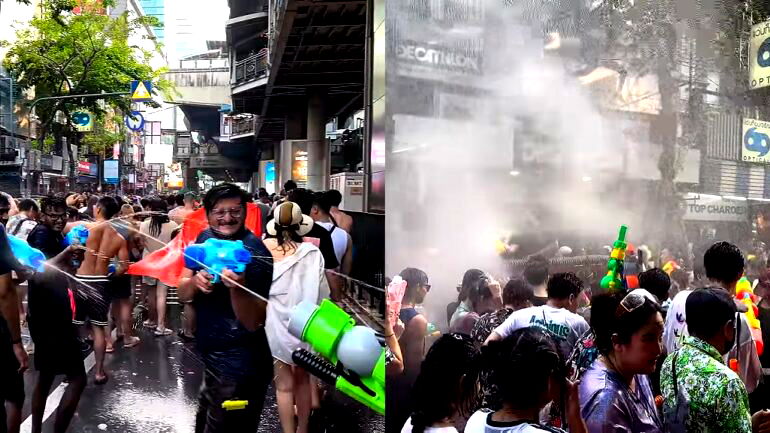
x=140, y=91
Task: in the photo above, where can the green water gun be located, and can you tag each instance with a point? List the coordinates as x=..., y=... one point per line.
x=613, y=281
x=351, y=357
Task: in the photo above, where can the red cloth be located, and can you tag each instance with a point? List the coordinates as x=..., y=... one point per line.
x=167, y=263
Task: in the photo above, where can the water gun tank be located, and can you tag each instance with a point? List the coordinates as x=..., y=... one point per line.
x=26, y=255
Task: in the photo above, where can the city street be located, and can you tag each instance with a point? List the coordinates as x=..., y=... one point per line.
x=154, y=386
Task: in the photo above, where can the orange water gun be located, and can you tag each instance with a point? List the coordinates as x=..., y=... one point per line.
x=745, y=294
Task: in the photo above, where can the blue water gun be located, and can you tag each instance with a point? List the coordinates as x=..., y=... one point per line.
x=26, y=255
x=216, y=255
x=76, y=236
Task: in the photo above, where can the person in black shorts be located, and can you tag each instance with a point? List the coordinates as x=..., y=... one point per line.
x=13, y=357
x=57, y=348
x=120, y=291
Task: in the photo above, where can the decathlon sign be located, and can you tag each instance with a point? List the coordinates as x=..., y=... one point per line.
x=701, y=207
x=755, y=141
x=759, y=55
x=438, y=57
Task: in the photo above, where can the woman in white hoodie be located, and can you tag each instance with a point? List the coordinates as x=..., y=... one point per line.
x=298, y=275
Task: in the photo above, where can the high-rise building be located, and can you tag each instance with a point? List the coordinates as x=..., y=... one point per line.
x=157, y=9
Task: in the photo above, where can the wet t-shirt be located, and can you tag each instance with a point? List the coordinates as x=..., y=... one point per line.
x=50, y=242
x=564, y=326
x=230, y=350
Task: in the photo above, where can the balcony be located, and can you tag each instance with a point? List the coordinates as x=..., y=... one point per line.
x=250, y=72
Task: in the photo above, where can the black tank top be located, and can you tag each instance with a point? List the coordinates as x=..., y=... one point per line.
x=407, y=314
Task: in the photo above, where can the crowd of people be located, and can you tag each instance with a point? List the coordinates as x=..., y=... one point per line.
x=671, y=351
x=85, y=299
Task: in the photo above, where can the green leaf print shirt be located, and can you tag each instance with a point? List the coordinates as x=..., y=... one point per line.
x=715, y=397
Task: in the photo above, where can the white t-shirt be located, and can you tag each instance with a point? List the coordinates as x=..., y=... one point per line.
x=480, y=422
x=563, y=325
x=408, y=428
x=675, y=328
x=339, y=239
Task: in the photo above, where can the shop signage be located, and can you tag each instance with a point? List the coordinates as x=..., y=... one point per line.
x=714, y=208
x=87, y=168
x=759, y=55
x=437, y=56
x=756, y=141
x=111, y=171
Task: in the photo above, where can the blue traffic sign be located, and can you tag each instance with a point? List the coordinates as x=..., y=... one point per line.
x=135, y=121
x=141, y=91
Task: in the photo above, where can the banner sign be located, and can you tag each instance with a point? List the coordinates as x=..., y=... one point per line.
x=756, y=141
x=84, y=167
x=759, y=56
x=714, y=208
x=111, y=171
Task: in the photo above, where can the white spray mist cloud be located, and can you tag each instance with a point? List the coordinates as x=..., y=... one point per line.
x=450, y=193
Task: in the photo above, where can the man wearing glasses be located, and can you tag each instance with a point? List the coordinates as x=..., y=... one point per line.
x=230, y=321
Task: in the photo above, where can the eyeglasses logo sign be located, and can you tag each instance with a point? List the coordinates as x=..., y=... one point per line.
x=763, y=54
x=755, y=141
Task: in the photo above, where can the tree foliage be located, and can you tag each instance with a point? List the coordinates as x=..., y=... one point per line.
x=63, y=53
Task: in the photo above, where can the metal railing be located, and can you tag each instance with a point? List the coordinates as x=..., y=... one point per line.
x=250, y=68
x=369, y=298
x=244, y=125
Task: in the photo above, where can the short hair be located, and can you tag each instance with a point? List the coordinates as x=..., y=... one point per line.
x=188, y=196
x=109, y=206
x=517, y=292
x=723, y=262
x=656, y=282
x=564, y=284
x=290, y=185
x=536, y=269
x=144, y=202
x=414, y=278
x=72, y=212
x=526, y=359
x=321, y=201
x=27, y=205
x=302, y=197
x=48, y=204
x=334, y=197
x=4, y=202
x=179, y=199
x=171, y=200
x=262, y=193
x=224, y=191
x=606, y=320
x=707, y=311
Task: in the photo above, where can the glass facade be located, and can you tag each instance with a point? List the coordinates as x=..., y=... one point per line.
x=155, y=8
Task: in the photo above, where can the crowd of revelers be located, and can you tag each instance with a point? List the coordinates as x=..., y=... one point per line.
x=552, y=352
x=85, y=298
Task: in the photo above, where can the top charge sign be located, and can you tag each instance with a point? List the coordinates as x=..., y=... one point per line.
x=700, y=208
x=759, y=55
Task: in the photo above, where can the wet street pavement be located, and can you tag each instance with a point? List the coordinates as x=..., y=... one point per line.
x=153, y=388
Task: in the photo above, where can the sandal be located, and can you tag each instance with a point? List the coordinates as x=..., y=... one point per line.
x=149, y=324
x=109, y=349
x=101, y=381
x=133, y=342
x=163, y=332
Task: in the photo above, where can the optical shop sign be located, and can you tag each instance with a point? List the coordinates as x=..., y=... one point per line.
x=713, y=208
